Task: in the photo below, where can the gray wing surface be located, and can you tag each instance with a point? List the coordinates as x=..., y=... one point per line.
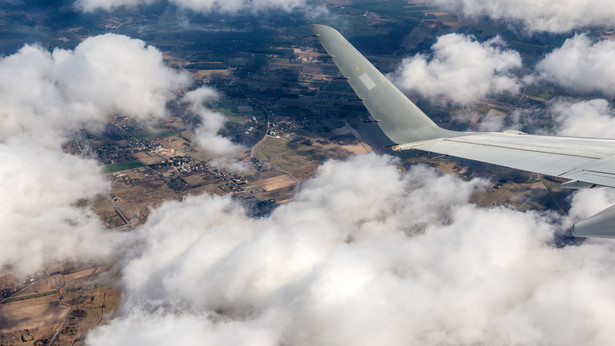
x=587, y=162
x=580, y=159
x=399, y=118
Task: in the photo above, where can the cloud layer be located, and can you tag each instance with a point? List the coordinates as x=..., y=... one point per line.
x=40, y=220
x=45, y=97
x=460, y=69
x=383, y=258
x=541, y=15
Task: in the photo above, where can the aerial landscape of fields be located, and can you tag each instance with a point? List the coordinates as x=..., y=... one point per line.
x=204, y=174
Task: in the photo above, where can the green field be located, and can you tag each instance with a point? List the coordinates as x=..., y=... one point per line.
x=122, y=166
x=544, y=91
x=239, y=119
x=271, y=148
x=284, y=155
x=226, y=110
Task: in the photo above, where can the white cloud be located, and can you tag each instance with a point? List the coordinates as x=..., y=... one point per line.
x=593, y=118
x=160, y=328
x=40, y=222
x=232, y=6
x=496, y=121
x=382, y=258
x=581, y=65
x=60, y=92
x=540, y=15
x=201, y=6
x=206, y=134
x=45, y=97
x=460, y=69
x=108, y=5
x=115, y=73
x=589, y=202
x=491, y=122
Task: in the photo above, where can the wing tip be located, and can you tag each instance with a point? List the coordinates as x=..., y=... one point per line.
x=318, y=29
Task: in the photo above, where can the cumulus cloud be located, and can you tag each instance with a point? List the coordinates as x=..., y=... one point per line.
x=581, y=65
x=589, y=202
x=461, y=69
x=491, y=122
x=542, y=15
x=383, y=258
x=593, y=118
x=57, y=93
x=128, y=76
x=40, y=221
x=200, y=6
x=45, y=97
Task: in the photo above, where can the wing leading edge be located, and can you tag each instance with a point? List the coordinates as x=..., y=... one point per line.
x=587, y=162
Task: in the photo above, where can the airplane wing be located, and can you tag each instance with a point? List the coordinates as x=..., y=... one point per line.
x=587, y=162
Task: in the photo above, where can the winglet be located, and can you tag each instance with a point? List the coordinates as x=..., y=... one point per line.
x=400, y=119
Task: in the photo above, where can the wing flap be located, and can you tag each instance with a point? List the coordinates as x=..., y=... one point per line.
x=594, y=177
x=539, y=162
x=591, y=163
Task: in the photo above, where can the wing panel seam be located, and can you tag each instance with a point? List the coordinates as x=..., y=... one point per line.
x=514, y=147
